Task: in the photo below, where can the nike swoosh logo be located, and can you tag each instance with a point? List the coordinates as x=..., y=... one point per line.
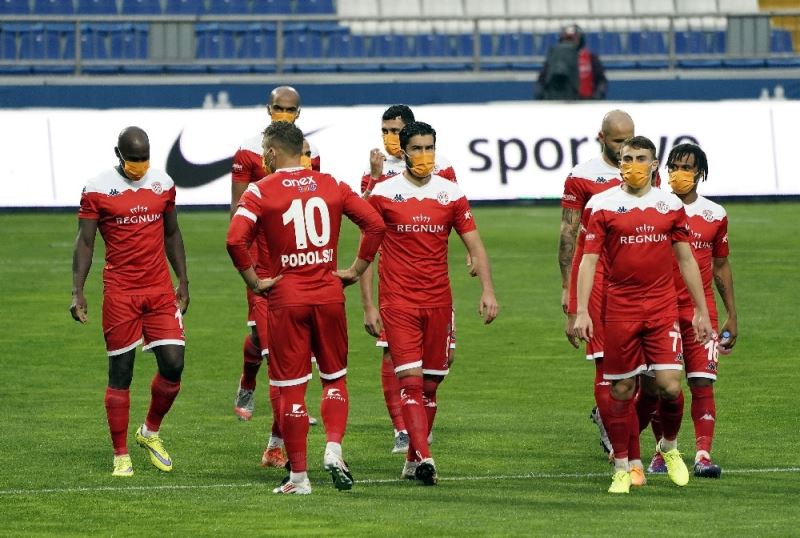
x=187, y=174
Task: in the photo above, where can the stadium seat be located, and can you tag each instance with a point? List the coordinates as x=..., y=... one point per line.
x=183, y=7
x=316, y=7
x=259, y=41
x=544, y=42
x=388, y=46
x=464, y=45
x=141, y=7
x=515, y=45
x=39, y=43
x=345, y=45
x=228, y=7
x=302, y=45
x=272, y=7
x=780, y=41
x=699, y=64
x=129, y=41
x=646, y=43
x=432, y=45
x=718, y=42
x=215, y=41
x=53, y=7
x=357, y=8
x=528, y=7
x=612, y=7
x=97, y=7
x=8, y=42
x=743, y=63
x=14, y=7
x=691, y=43
x=604, y=43
x=783, y=62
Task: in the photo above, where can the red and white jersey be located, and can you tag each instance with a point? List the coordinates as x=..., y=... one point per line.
x=247, y=164
x=299, y=213
x=708, y=226
x=587, y=179
x=413, y=271
x=393, y=166
x=130, y=217
x=637, y=234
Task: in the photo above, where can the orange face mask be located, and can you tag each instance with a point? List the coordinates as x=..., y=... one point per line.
x=681, y=181
x=391, y=142
x=637, y=175
x=136, y=170
x=421, y=165
x=284, y=116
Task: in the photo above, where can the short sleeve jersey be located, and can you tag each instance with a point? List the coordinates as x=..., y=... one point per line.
x=708, y=225
x=393, y=166
x=637, y=234
x=299, y=213
x=130, y=217
x=586, y=180
x=413, y=269
x=247, y=164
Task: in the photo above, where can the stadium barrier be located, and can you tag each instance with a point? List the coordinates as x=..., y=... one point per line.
x=500, y=151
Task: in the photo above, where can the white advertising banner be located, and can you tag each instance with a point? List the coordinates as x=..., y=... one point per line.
x=500, y=151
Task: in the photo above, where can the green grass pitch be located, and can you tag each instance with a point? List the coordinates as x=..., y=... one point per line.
x=516, y=452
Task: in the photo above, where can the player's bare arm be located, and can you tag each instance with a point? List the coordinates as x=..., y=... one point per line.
x=237, y=189
x=372, y=317
x=582, y=327
x=487, y=307
x=81, y=263
x=694, y=283
x=176, y=254
x=570, y=222
x=723, y=278
x=352, y=274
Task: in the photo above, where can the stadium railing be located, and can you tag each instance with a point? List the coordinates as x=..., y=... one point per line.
x=244, y=44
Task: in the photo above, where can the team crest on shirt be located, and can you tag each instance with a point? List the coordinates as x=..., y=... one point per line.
x=443, y=198
x=157, y=188
x=708, y=215
x=662, y=207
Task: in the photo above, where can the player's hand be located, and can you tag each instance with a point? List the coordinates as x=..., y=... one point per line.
x=565, y=300
x=488, y=307
x=79, y=308
x=182, y=296
x=372, y=321
x=376, y=159
x=471, y=267
x=265, y=284
x=732, y=327
x=702, y=327
x=583, y=328
x=348, y=276
x=569, y=331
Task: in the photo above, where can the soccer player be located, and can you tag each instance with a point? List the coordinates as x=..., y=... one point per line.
x=687, y=165
x=584, y=181
x=420, y=208
x=639, y=228
x=133, y=205
x=297, y=213
x=283, y=105
x=382, y=167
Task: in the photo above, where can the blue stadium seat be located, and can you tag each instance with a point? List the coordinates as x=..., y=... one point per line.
x=272, y=7
x=183, y=7
x=647, y=43
x=129, y=41
x=388, y=46
x=743, y=63
x=14, y=7
x=53, y=7
x=344, y=45
x=38, y=43
x=515, y=45
x=302, y=45
x=215, y=41
x=316, y=7
x=699, y=64
x=97, y=7
x=228, y=7
x=604, y=43
x=783, y=62
x=8, y=43
x=141, y=7
x=691, y=43
x=719, y=42
x=545, y=41
x=258, y=42
x=432, y=45
x=464, y=44
x=780, y=41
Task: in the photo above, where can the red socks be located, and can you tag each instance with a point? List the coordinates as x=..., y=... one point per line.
x=671, y=413
x=617, y=422
x=163, y=392
x=118, y=404
x=429, y=401
x=275, y=401
x=704, y=416
x=415, y=417
x=391, y=394
x=252, y=362
x=294, y=425
x=646, y=407
x=634, y=449
x=334, y=409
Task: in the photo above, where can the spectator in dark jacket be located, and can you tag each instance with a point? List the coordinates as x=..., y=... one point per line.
x=571, y=71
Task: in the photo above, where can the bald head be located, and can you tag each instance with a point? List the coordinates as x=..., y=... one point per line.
x=282, y=93
x=284, y=104
x=133, y=140
x=617, y=127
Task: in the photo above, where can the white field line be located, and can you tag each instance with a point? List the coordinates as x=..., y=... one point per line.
x=177, y=487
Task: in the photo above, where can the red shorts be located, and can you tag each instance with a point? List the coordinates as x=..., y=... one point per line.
x=129, y=320
x=594, y=347
x=319, y=330
x=257, y=308
x=382, y=342
x=701, y=359
x=419, y=337
x=631, y=347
